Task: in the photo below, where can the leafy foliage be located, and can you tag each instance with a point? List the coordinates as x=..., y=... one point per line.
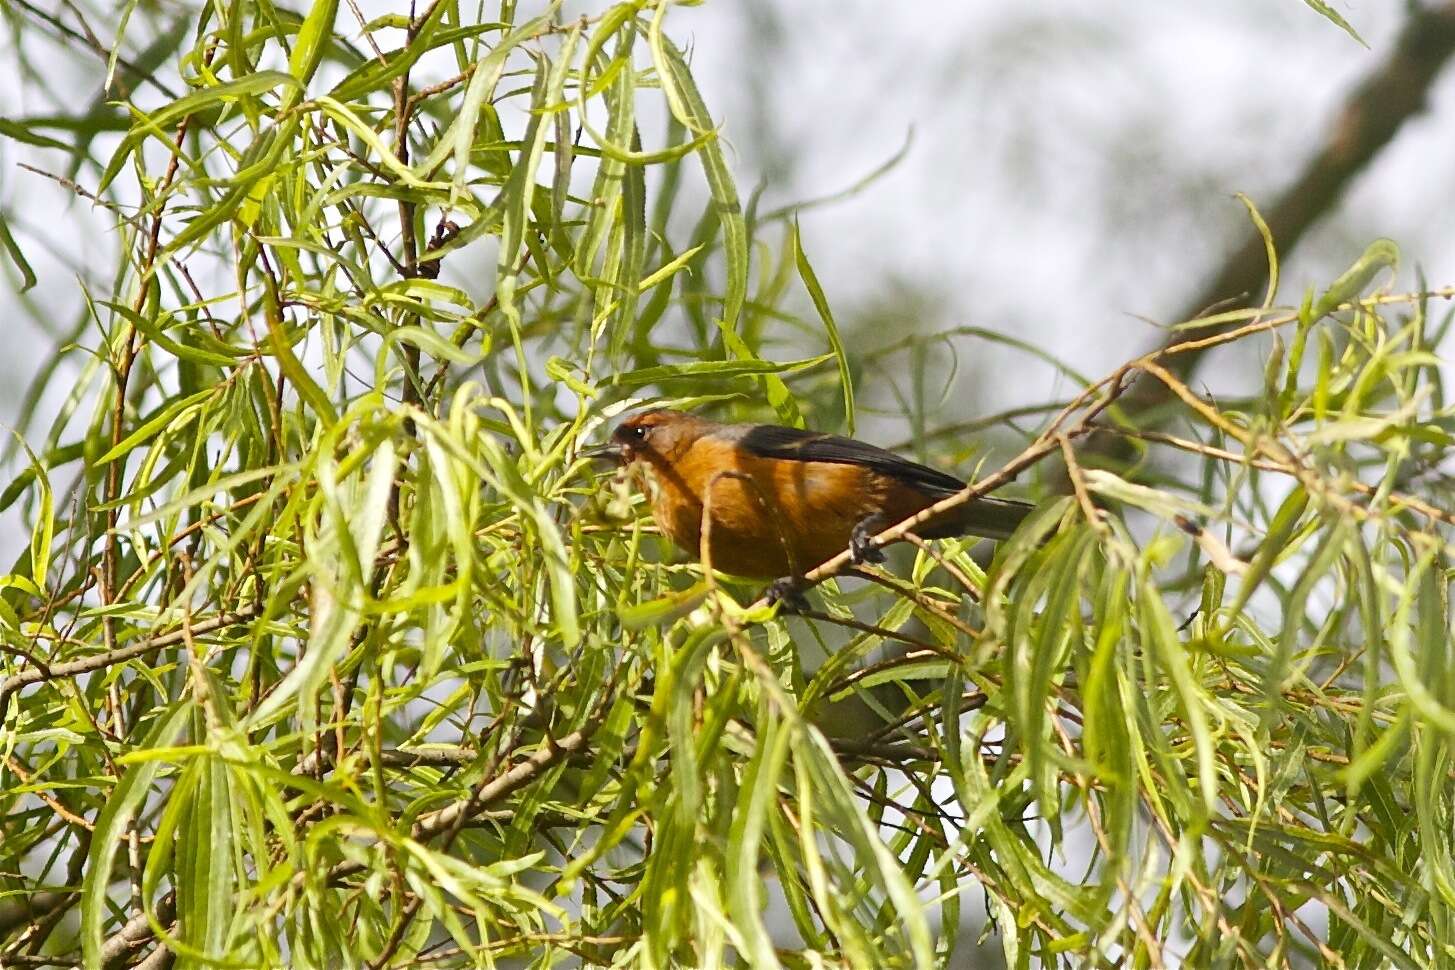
x=329, y=649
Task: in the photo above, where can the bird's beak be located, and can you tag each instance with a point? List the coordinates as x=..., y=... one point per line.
x=611, y=452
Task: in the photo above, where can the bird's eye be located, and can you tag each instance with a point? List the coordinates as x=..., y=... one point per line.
x=639, y=433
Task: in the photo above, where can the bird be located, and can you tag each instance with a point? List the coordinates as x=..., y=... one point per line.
x=779, y=501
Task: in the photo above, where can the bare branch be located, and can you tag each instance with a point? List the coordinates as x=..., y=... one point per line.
x=110, y=658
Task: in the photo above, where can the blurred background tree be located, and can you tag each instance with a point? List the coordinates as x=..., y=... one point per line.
x=322, y=647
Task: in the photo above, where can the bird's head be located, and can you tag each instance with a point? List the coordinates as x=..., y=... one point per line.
x=656, y=434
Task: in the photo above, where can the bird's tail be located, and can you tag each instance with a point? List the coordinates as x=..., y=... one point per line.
x=989, y=518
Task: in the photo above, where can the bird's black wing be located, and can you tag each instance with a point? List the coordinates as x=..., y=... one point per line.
x=793, y=444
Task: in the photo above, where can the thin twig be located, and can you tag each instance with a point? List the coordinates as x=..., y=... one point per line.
x=110, y=658
x=512, y=780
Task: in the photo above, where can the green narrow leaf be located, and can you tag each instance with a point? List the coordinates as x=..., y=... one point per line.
x=1381, y=254
x=172, y=417
x=713, y=369
x=17, y=258
x=116, y=45
x=633, y=247
x=204, y=894
x=248, y=86
x=779, y=397
x=1325, y=557
x=1336, y=18
x=607, y=187
x=26, y=133
x=331, y=625
x=757, y=796
x=689, y=108
x=1268, y=246
x=42, y=531
x=668, y=269
x=1275, y=545
x=313, y=39
x=374, y=76
x=116, y=813
x=1161, y=633
x=460, y=137
x=821, y=304
x=304, y=384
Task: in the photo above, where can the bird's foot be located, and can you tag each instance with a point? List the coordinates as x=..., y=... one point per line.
x=862, y=548
x=787, y=594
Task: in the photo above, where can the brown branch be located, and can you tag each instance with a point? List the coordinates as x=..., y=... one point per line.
x=29, y=908
x=1263, y=463
x=159, y=959
x=45, y=910
x=893, y=752
x=508, y=782
x=120, y=946
x=428, y=92
x=32, y=960
x=451, y=757
x=852, y=623
x=403, y=108
x=55, y=804
x=969, y=701
x=110, y=658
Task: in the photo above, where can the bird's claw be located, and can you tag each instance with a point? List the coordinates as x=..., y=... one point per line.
x=862, y=548
x=786, y=594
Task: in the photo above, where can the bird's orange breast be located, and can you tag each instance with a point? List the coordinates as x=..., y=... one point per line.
x=765, y=517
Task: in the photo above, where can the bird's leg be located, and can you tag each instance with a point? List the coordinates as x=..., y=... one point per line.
x=787, y=592
x=861, y=541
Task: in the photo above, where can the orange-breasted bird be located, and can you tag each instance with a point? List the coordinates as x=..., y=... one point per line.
x=782, y=500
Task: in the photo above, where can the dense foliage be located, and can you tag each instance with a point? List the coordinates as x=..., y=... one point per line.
x=328, y=649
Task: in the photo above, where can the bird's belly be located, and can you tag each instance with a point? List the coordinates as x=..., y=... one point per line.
x=756, y=552
x=747, y=539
